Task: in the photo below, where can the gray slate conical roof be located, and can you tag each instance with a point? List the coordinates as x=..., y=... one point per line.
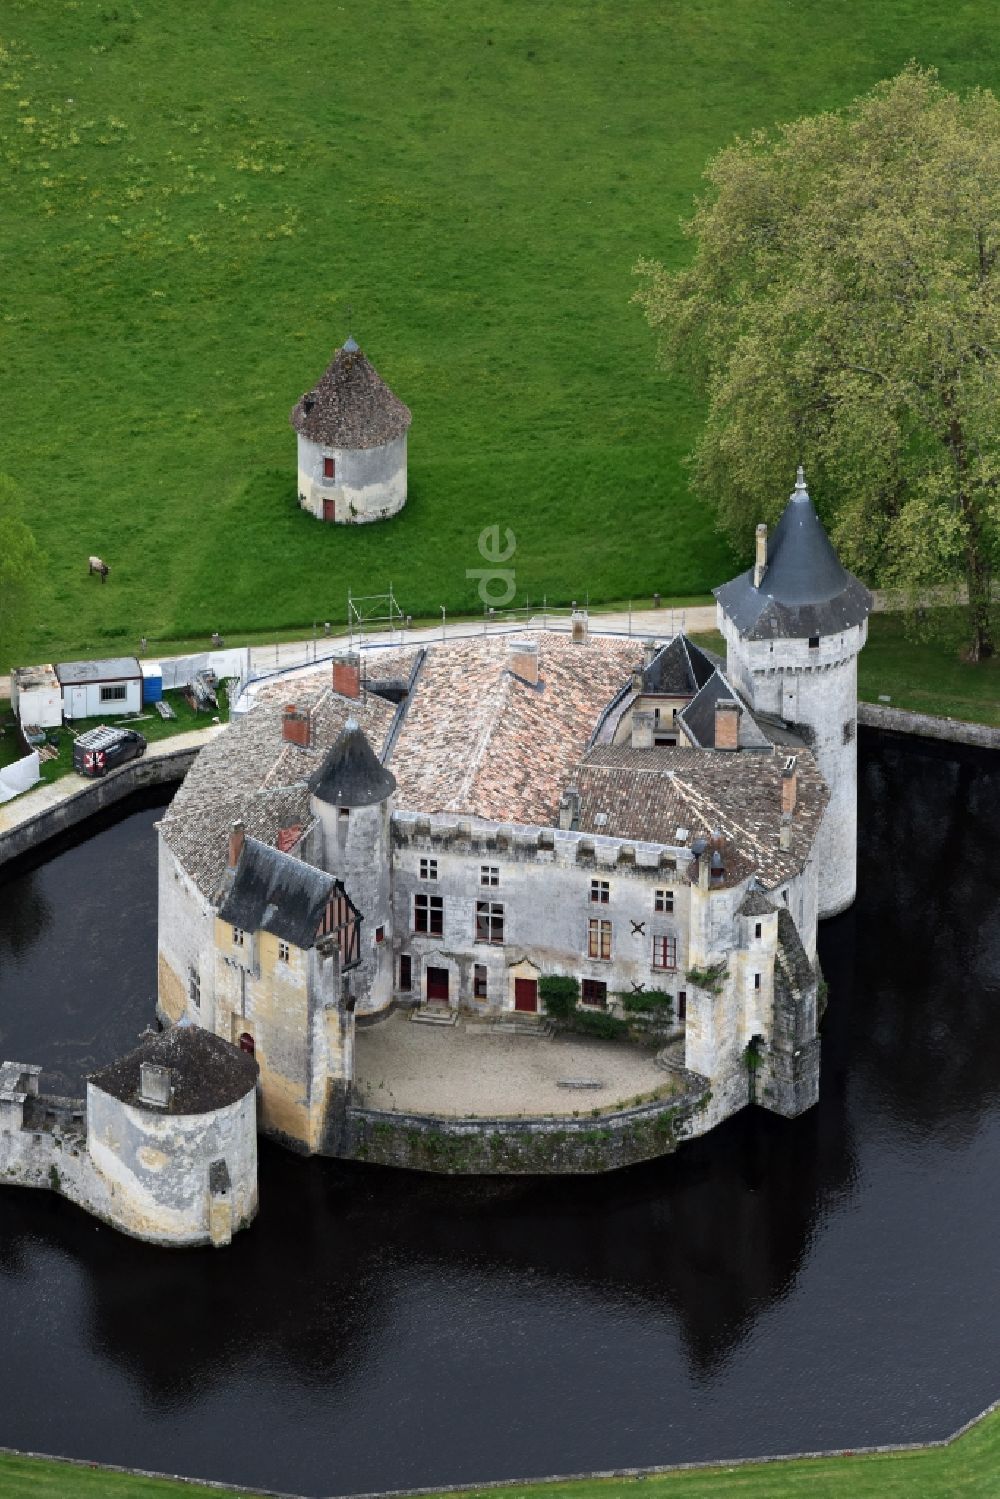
x=805, y=590
x=350, y=406
x=351, y=775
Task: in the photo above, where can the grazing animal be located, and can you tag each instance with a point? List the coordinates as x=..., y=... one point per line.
x=97, y=566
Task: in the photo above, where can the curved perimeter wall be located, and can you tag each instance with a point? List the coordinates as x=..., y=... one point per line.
x=561, y=1146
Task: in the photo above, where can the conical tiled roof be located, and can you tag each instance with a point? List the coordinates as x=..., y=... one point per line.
x=351, y=406
x=805, y=590
x=351, y=775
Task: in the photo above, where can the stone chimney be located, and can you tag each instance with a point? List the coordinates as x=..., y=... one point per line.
x=760, y=565
x=578, y=627
x=785, y=832
x=236, y=838
x=295, y=726
x=642, y=730
x=650, y=651
x=637, y=678
x=154, y=1085
x=789, y=786
x=569, y=809
x=522, y=660
x=347, y=675
x=727, y=724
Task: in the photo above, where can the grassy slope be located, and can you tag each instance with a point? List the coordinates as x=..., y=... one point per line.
x=968, y=1468
x=192, y=195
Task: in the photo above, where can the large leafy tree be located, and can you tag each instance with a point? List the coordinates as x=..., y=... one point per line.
x=841, y=309
x=21, y=568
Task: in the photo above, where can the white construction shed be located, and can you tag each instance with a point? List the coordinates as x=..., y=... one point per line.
x=36, y=696
x=100, y=689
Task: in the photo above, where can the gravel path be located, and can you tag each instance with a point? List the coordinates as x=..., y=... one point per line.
x=467, y=1069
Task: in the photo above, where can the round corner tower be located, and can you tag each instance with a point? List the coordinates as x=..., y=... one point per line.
x=351, y=443
x=351, y=796
x=794, y=625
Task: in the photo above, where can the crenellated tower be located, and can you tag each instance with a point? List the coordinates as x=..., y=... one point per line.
x=794, y=624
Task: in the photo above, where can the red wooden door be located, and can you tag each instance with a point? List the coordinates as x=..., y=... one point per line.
x=526, y=995
x=437, y=986
x=329, y=510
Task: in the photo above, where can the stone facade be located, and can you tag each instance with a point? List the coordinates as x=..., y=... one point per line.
x=813, y=687
x=365, y=485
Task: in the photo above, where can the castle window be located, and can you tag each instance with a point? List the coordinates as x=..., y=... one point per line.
x=784, y=896
x=663, y=900
x=489, y=921
x=238, y=935
x=599, y=939
x=284, y=952
x=405, y=972
x=479, y=981
x=329, y=468
x=194, y=987
x=428, y=914
x=114, y=694
x=489, y=874
x=594, y=992
x=758, y=929
x=343, y=813
x=682, y=1004
x=380, y=934
x=600, y=891
x=428, y=869
x=664, y=952
x=756, y=980
x=814, y=642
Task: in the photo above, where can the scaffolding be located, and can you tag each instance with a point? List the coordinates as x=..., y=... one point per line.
x=373, y=614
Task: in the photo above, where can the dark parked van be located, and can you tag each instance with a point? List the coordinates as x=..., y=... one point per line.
x=102, y=749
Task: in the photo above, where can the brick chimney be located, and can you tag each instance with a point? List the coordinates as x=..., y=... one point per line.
x=760, y=564
x=236, y=838
x=789, y=786
x=650, y=651
x=522, y=660
x=296, y=726
x=727, y=724
x=347, y=675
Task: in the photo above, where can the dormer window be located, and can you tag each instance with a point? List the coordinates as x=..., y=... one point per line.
x=329, y=468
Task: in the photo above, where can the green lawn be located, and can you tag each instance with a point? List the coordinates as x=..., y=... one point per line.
x=967, y=1469
x=193, y=194
x=925, y=676
x=149, y=724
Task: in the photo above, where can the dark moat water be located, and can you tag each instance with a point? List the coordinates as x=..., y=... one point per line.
x=775, y=1286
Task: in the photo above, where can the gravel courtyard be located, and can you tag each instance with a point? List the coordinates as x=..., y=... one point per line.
x=466, y=1069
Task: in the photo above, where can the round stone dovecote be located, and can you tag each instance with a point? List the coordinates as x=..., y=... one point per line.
x=351, y=443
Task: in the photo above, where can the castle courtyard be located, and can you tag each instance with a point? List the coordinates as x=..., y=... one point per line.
x=471, y=1068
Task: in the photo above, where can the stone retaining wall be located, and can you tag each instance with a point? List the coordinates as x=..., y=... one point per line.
x=562, y=1146
x=155, y=770
x=925, y=726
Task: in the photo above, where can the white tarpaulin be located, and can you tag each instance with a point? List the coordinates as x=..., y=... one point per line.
x=20, y=776
x=225, y=664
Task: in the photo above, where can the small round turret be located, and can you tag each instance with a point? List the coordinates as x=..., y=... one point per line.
x=351, y=795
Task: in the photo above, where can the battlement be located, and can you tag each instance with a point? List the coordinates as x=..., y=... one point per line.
x=519, y=843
